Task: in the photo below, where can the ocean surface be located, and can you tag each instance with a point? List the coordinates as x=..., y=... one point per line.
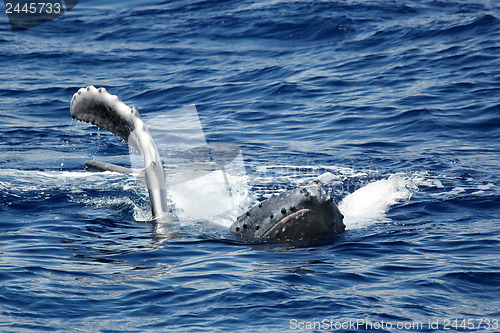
x=394, y=105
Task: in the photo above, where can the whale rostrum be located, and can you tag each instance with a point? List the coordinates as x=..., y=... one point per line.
x=302, y=214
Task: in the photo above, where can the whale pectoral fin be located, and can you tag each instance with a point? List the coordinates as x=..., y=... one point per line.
x=103, y=166
x=107, y=111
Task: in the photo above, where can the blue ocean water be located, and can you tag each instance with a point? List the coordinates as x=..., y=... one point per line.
x=394, y=104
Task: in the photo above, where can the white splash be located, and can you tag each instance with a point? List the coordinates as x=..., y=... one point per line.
x=369, y=204
x=215, y=197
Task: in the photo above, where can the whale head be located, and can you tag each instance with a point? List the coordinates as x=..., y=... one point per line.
x=302, y=214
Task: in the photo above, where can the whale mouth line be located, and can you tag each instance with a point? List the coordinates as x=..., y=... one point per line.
x=287, y=218
x=297, y=214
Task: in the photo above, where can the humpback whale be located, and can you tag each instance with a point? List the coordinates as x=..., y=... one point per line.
x=302, y=214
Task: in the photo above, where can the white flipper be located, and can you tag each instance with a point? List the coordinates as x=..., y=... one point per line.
x=107, y=111
x=103, y=166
